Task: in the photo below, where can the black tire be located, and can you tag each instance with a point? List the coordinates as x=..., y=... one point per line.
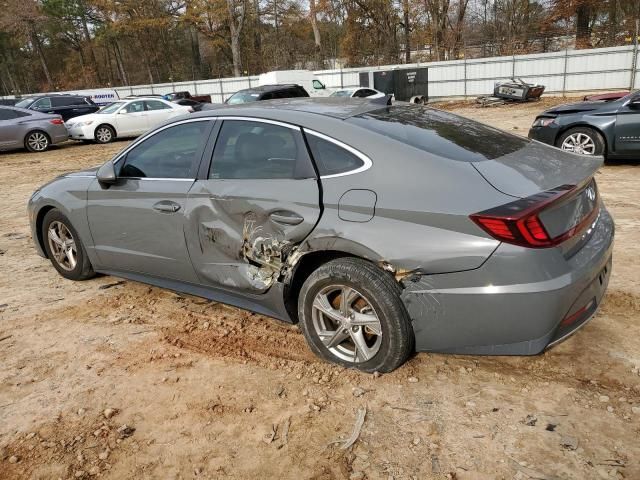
x=381, y=291
x=37, y=141
x=82, y=269
x=594, y=136
x=104, y=134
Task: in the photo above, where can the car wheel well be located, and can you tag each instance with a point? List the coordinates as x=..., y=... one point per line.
x=39, y=220
x=307, y=264
x=583, y=125
x=34, y=131
x=105, y=125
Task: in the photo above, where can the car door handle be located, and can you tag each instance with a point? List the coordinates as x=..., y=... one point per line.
x=286, y=218
x=166, y=207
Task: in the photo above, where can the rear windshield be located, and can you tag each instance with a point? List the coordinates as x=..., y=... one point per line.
x=440, y=133
x=243, y=97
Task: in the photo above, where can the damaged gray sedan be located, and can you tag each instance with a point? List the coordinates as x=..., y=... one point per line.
x=381, y=230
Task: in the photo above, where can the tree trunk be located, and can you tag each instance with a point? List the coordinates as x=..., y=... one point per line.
x=313, y=16
x=120, y=63
x=235, y=28
x=38, y=47
x=583, y=28
x=92, y=55
x=407, y=31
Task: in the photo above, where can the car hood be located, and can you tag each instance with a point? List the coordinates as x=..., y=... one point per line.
x=85, y=118
x=89, y=172
x=575, y=108
x=536, y=168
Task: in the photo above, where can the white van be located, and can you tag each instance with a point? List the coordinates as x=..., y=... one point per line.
x=304, y=78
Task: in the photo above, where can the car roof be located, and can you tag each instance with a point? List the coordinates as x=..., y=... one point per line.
x=270, y=88
x=334, y=107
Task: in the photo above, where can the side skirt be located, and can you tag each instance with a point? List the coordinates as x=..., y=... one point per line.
x=270, y=303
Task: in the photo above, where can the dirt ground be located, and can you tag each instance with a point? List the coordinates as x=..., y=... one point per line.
x=110, y=379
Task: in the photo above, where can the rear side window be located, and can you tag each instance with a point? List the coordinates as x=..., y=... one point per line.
x=61, y=101
x=332, y=159
x=156, y=105
x=258, y=150
x=6, y=114
x=170, y=153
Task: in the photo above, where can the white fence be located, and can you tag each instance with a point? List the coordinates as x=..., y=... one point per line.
x=567, y=71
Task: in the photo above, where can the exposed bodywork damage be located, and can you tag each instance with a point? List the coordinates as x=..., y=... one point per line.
x=400, y=274
x=266, y=253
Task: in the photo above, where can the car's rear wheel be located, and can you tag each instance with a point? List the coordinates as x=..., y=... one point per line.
x=351, y=314
x=104, y=134
x=582, y=140
x=37, y=141
x=64, y=247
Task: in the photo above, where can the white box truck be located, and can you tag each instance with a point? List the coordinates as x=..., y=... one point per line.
x=304, y=78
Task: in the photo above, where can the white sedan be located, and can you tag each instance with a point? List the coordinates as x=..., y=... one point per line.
x=125, y=118
x=358, y=93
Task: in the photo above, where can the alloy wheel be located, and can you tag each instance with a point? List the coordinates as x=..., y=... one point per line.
x=62, y=245
x=38, y=141
x=579, y=143
x=103, y=134
x=346, y=323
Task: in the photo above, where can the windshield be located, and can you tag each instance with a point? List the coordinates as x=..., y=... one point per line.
x=111, y=108
x=242, y=97
x=342, y=93
x=24, y=103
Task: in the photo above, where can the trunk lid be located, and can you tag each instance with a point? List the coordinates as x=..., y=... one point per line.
x=537, y=168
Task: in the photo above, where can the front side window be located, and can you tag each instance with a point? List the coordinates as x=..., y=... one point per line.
x=170, y=153
x=42, y=103
x=247, y=149
x=332, y=159
x=318, y=85
x=135, y=107
x=156, y=105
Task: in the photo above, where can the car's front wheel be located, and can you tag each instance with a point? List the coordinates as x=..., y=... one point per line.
x=37, y=141
x=64, y=247
x=582, y=140
x=104, y=134
x=351, y=314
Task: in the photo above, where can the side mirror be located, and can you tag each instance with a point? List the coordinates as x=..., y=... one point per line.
x=635, y=103
x=106, y=174
x=122, y=111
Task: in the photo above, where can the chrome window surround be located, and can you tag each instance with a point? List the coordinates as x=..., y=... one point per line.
x=367, y=163
x=365, y=166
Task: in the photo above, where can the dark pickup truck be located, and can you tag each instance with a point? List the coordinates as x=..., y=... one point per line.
x=173, y=96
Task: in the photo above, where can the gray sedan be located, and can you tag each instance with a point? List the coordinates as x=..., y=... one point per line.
x=35, y=131
x=381, y=230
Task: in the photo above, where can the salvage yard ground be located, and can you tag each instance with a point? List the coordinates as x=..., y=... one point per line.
x=115, y=379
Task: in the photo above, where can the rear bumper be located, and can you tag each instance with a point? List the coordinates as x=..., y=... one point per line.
x=58, y=134
x=518, y=303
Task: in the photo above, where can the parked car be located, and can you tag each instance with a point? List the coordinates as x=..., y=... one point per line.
x=67, y=106
x=187, y=102
x=358, y=93
x=388, y=259
x=35, y=131
x=266, y=92
x=611, y=129
x=606, y=97
x=9, y=102
x=172, y=97
x=306, y=79
x=125, y=118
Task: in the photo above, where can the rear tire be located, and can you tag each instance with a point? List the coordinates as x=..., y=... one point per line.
x=104, y=134
x=37, y=141
x=582, y=140
x=372, y=332
x=64, y=247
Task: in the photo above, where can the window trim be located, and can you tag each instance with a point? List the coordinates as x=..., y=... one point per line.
x=365, y=166
x=124, y=153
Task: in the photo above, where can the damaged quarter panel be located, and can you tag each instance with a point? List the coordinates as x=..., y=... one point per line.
x=417, y=223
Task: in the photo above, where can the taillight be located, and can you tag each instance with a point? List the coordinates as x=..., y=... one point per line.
x=519, y=222
x=56, y=121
